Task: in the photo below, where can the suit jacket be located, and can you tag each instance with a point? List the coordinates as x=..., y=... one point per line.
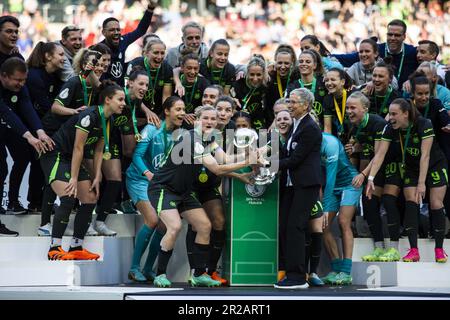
x=303, y=158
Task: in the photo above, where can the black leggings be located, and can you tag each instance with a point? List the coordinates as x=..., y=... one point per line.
x=36, y=181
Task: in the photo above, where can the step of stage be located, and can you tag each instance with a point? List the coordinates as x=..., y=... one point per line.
x=364, y=246
x=403, y=274
x=28, y=224
x=23, y=262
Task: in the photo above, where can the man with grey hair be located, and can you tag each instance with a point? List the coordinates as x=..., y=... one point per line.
x=192, y=38
x=71, y=41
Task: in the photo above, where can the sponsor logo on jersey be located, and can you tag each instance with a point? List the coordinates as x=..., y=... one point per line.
x=64, y=94
x=116, y=69
x=86, y=121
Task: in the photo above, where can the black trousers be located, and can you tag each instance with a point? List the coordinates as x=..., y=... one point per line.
x=295, y=209
x=20, y=153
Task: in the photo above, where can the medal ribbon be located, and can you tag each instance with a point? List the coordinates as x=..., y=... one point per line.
x=280, y=85
x=105, y=127
x=340, y=114
x=248, y=96
x=362, y=125
x=87, y=101
x=208, y=63
x=189, y=102
x=133, y=112
x=152, y=85
x=313, y=86
x=404, y=147
x=385, y=100
x=401, y=61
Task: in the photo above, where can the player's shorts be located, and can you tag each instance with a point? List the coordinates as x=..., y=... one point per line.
x=57, y=167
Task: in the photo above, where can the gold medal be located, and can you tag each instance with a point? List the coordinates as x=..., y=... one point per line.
x=138, y=137
x=107, y=155
x=203, y=177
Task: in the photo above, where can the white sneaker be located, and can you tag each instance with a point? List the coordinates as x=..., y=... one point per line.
x=103, y=229
x=91, y=232
x=45, y=230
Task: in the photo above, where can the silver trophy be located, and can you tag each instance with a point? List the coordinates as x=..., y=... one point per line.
x=264, y=177
x=244, y=138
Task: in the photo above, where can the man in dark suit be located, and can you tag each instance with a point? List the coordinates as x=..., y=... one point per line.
x=300, y=182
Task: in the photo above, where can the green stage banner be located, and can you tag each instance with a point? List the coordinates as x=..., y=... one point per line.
x=251, y=251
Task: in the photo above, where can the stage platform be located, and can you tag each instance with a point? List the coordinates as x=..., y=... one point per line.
x=182, y=292
x=26, y=274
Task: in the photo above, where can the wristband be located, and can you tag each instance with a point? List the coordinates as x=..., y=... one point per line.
x=363, y=174
x=370, y=178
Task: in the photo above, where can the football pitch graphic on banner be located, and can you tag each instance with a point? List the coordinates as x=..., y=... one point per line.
x=251, y=250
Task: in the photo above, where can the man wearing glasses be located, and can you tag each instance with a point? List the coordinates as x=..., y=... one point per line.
x=404, y=55
x=71, y=42
x=119, y=44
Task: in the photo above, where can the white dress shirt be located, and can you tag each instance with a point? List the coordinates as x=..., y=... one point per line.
x=295, y=124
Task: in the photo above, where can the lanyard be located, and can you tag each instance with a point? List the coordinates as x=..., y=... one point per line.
x=427, y=109
x=210, y=68
x=313, y=86
x=383, y=109
x=336, y=106
x=189, y=102
x=87, y=102
x=248, y=96
x=362, y=125
x=404, y=147
x=152, y=85
x=401, y=61
x=280, y=86
x=166, y=142
x=105, y=127
x=137, y=136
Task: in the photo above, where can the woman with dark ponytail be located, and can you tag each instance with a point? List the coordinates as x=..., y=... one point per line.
x=77, y=94
x=312, y=42
x=431, y=108
x=382, y=93
x=43, y=83
x=336, y=122
x=124, y=136
x=192, y=83
x=311, y=77
x=67, y=176
x=216, y=68
x=422, y=165
x=285, y=72
x=428, y=106
x=361, y=71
